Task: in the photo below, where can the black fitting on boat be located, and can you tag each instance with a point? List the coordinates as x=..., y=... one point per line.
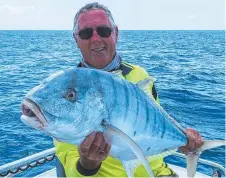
x=216, y=173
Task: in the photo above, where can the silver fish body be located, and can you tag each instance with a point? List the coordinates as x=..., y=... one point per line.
x=138, y=115
x=75, y=102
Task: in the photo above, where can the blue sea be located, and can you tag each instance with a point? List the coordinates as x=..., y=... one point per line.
x=188, y=67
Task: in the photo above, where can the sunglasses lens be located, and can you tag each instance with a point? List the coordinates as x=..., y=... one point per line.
x=104, y=31
x=85, y=33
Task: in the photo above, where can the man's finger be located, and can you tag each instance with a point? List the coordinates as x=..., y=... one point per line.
x=184, y=150
x=95, y=146
x=191, y=141
x=87, y=142
x=102, y=145
x=199, y=140
x=195, y=140
x=107, y=148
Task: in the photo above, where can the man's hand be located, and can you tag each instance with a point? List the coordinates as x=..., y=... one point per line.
x=195, y=141
x=93, y=150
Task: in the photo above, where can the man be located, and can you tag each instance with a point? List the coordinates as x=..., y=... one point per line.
x=96, y=36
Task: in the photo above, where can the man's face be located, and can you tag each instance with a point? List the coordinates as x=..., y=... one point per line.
x=97, y=51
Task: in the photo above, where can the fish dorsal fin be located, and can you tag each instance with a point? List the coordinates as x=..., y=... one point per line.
x=145, y=85
x=146, y=82
x=117, y=73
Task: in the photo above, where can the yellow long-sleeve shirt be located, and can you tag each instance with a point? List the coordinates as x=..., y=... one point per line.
x=68, y=153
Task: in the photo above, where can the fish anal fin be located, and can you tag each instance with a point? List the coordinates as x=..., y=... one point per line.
x=130, y=167
x=161, y=155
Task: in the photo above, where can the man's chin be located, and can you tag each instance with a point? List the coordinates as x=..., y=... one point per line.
x=100, y=63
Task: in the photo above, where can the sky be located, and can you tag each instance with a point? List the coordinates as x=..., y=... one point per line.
x=128, y=14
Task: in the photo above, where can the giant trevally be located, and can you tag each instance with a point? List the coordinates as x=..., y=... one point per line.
x=71, y=104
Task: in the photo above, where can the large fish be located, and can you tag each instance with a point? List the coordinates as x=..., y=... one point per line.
x=71, y=104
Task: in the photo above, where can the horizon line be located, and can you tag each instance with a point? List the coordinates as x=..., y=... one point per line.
x=119, y=30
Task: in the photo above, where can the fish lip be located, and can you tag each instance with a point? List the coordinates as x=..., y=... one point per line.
x=36, y=110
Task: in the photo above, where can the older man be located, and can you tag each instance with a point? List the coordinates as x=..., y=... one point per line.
x=96, y=36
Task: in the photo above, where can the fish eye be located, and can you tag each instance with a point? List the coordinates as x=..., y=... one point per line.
x=71, y=94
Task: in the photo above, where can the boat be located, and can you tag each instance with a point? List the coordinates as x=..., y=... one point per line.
x=29, y=162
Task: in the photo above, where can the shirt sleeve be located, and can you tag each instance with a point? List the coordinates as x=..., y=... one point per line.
x=68, y=156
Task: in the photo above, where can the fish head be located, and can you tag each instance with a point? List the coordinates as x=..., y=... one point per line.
x=68, y=105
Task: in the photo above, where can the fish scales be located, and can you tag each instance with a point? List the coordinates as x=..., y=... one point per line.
x=137, y=115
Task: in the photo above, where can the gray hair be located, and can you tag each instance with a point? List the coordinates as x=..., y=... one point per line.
x=93, y=6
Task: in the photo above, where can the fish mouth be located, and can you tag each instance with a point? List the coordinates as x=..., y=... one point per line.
x=32, y=111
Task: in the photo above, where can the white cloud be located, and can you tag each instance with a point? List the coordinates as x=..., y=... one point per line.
x=16, y=9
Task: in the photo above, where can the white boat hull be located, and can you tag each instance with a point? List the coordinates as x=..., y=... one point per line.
x=182, y=172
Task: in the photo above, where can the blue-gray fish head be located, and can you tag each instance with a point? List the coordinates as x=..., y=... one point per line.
x=68, y=105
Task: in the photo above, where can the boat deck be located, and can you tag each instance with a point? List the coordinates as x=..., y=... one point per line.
x=182, y=172
x=48, y=155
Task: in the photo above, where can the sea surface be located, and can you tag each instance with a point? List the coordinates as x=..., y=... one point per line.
x=188, y=67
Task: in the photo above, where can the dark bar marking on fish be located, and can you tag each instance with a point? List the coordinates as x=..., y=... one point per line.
x=148, y=148
x=154, y=120
x=137, y=103
x=163, y=129
x=134, y=133
x=147, y=114
x=126, y=91
x=97, y=76
x=115, y=94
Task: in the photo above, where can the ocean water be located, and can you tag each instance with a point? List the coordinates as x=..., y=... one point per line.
x=188, y=67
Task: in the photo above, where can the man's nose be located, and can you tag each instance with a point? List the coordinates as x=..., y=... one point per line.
x=95, y=36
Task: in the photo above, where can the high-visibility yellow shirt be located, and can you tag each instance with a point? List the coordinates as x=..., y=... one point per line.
x=111, y=167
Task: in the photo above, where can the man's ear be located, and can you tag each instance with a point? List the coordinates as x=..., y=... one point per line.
x=76, y=39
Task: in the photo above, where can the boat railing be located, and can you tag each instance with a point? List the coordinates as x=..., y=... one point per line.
x=203, y=161
x=23, y=164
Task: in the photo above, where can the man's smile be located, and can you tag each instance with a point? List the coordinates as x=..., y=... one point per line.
x=98, y=49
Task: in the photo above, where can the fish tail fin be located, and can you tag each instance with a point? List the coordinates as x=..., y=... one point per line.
x=208, y=144
x=192, y=158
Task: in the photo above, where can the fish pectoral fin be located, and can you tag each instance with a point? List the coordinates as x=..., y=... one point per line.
x=193, y=157
x=112, y=131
